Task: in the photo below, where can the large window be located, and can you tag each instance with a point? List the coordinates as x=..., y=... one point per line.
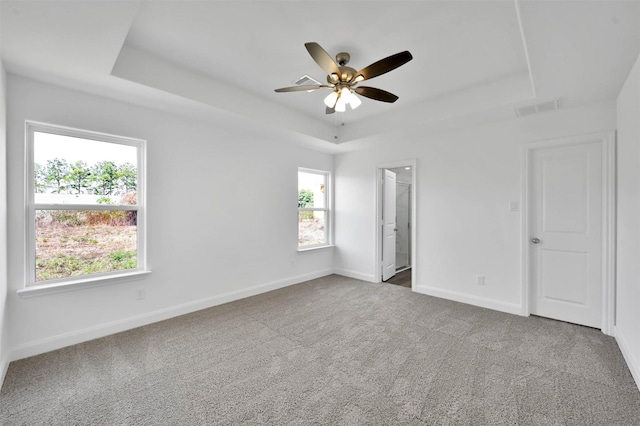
x=313, y=208
x=85, y=201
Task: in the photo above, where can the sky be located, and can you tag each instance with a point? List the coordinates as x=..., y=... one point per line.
x=47, y=146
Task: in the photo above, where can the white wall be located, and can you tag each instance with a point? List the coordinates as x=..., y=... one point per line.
x=627, y=329
x=4, y=332
x=464, y=181
x=237, y=240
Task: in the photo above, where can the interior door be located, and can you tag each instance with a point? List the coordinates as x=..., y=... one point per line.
x=388, y=225
x=566, y=233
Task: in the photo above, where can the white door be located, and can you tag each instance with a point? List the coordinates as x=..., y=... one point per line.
x=566, y=233
x=388, y=225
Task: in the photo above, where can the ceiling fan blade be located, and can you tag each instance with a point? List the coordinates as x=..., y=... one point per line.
x=377, y=94
x=329, y=110
x=301, y=88
x=322, y=58
x=383, y=66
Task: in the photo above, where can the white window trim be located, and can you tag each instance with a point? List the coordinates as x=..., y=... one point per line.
x=84, y=281
x=33, y=287
x=327, y=211
x=306, y=249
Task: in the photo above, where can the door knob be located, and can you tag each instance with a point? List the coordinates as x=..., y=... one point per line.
x=535, y=240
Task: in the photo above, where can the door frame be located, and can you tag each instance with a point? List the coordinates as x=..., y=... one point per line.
x=378, y=223
x=409, y=190
x=608, y=147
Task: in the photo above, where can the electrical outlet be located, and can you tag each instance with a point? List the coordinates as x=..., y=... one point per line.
x=480, y=279
x=140, y=294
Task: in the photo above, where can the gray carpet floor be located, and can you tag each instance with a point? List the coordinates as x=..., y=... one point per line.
x=331, y=351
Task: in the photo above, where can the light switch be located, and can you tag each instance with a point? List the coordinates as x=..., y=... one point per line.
x=514, y=206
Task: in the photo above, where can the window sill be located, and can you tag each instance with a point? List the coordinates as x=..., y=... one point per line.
x=65, y=286
x=311, y=249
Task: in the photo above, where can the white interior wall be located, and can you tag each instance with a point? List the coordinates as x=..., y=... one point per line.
x=465, y=180
x=220, y=230
x=221, y=216
x=4, y=332
x=627, y=328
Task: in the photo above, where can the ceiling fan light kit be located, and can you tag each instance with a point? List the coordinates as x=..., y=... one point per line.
x=340, y=98
x=343, y=79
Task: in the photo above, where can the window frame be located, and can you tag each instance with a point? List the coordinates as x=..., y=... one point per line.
x=327, y=210
x=81, y=281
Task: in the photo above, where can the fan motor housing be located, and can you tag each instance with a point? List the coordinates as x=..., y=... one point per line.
x=346, y=75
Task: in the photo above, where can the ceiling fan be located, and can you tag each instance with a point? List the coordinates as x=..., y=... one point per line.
x=343, y=80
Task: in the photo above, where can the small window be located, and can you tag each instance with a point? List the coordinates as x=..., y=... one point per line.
x=85, y=200
x=313, y=208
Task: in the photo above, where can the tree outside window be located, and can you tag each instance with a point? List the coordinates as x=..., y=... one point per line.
x=313, y=212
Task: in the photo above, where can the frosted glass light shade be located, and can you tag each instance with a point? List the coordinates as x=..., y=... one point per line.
x=355, y=101
x=345, y=95
x=330, y=101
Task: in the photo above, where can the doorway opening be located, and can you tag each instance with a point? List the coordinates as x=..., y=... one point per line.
x=396, y=228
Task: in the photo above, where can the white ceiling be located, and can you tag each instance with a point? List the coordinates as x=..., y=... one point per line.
x=471, y=58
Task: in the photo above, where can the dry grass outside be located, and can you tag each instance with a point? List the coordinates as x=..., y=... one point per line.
x=311, y=232
x=68, y=249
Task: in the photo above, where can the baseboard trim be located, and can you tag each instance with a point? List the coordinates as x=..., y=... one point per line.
x=510, y=308
x=354, y=274
x=4, y=367
x=67, y=339
x=634, y=368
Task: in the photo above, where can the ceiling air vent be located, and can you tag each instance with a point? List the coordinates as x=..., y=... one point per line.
x=536, y=108
x=305, y=79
